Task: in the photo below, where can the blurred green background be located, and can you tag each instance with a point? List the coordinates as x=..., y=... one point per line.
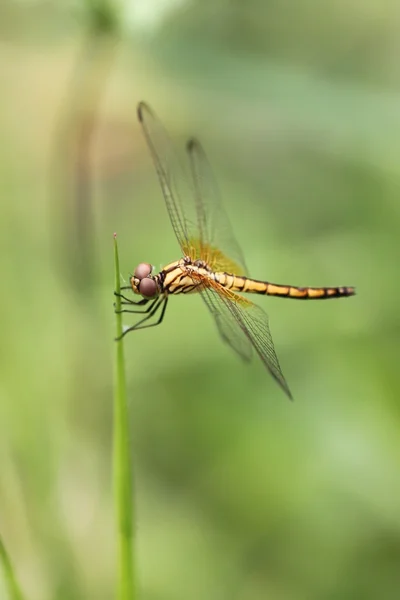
x=240, y=494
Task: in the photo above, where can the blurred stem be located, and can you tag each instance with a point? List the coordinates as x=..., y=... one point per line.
x=73, y=193
x=14, y=590
x=122, y=462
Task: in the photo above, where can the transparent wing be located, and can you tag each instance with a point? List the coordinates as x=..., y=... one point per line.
x=243, y=325
x=173, y=179
x=227, y=325
x=197, y=216
x=216, y=239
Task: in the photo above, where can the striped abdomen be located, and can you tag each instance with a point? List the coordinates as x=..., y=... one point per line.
x=253, y=286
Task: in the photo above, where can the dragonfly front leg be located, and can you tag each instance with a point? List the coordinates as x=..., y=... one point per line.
x=157, y=304
x=141, y=302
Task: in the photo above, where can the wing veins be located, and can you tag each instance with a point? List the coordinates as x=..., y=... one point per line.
x=253, y=323
x=211, y=215
x=171, y=196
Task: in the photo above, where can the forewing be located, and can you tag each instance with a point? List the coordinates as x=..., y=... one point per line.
x=216, y=242
x=175, y=182
x=194, y=206
x=243, y=325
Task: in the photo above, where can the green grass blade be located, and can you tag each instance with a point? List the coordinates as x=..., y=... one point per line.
x=14, y=591
x=122, y=463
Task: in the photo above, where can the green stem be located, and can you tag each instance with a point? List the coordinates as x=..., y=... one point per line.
x=14, y=590
x=122, y=462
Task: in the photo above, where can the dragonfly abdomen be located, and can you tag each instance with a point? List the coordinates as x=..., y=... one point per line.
x=254, y=286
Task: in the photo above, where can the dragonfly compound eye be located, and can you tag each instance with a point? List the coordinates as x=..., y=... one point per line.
x=143, y=270
x=148, y=288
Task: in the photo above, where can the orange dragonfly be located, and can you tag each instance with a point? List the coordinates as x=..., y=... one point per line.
x=212, y=262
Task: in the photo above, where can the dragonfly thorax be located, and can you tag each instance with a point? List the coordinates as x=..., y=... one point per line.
x=143, y=282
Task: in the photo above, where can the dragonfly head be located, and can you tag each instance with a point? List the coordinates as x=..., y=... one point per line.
x=143, y=282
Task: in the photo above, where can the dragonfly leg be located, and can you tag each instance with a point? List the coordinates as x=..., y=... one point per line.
x=130, y=301
x=160, y=302
x=141, y=303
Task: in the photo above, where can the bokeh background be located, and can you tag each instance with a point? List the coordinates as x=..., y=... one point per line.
x=240, y=494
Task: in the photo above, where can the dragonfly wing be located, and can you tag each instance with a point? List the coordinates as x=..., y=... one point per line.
x=175, y=183
x=216, y=238
x=244, y=325
x=194, y=206
x=227, y=324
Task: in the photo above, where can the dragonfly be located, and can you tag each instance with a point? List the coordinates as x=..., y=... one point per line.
x=212, y=262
